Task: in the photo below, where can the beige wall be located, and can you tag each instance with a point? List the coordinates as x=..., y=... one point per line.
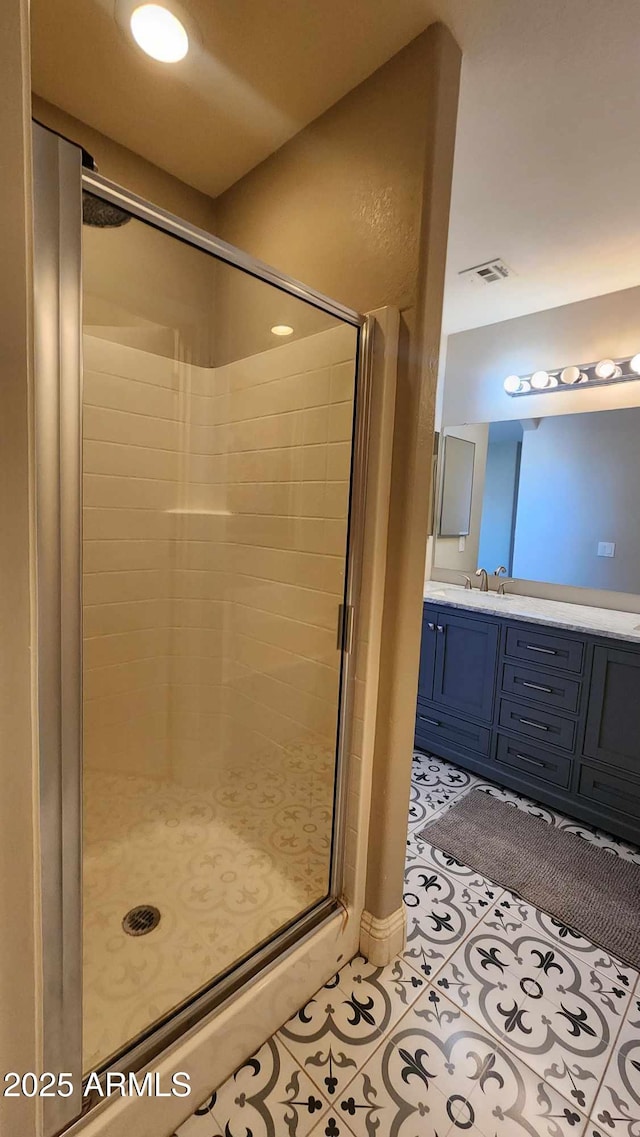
x=339, y=205
x=19, y=979
x=356, y=205
x=121, y=165
x=479, y=360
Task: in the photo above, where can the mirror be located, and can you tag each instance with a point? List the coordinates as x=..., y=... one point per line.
x=458, y=456
x=554, y=499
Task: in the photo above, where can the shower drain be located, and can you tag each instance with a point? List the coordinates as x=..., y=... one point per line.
x=140, y=920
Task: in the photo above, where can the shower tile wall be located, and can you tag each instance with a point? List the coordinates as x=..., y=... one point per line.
x=131, y=469
x=215, y=524
x=288, y=453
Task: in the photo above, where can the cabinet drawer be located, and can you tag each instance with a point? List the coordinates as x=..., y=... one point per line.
x=613, y=791
x=541, y=765
x=432, y=723
x=541, y=687
x=542, y=647
x=542, y=725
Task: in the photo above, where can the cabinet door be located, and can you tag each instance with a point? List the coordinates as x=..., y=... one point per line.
x=613, y=716
x=465, y=665
x=427, y=653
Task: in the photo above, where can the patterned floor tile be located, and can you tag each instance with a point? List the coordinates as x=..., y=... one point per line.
x=334, y=1034
x=441, y=911
x=202, y=1122
x=560, y=1025
x=616, y=1112
x=614, y=845
x=478, y=980
x=439, y=1074
x=332, y=1125
x=268, y=1096
x=558, y=970
x=524, y=1029
x=512, y=912
x=425, y=804
x=421, y=851
x=431, y=773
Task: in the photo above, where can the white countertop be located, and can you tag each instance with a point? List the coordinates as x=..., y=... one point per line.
x=575, y=617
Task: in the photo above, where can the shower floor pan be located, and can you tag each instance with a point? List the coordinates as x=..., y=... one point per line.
x=226, y=864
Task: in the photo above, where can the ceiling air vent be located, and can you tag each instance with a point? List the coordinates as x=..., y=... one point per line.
x=491, y=272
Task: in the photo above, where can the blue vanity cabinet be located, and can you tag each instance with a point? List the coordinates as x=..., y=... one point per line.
x=427, y=653
x=613, y=717
x=456, y=686
x=550, y=712
x=465, y=664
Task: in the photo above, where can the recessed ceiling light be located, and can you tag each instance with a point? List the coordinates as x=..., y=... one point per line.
x=282, y=330
x=158, y=32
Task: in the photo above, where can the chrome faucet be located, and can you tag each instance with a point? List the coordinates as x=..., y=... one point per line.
x=484, y=579
x=467, y=582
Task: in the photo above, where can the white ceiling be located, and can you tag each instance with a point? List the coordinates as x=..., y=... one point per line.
x=547, y=168
x=547, y=157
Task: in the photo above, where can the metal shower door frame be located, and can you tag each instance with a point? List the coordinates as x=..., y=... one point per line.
x=57, y=259
x=58, y=183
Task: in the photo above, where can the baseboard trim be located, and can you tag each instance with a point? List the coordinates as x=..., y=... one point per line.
x=382, y=940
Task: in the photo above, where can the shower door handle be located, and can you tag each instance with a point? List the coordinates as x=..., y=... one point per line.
x=344, y=637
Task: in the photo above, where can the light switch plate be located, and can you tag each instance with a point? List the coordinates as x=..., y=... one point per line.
x=606, y=548
x=461, y=544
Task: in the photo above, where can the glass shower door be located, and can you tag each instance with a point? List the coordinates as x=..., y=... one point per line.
x=218, y=417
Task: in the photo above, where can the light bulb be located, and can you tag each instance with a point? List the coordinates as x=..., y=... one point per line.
x=540, y=379
x=635, y=364
x=605, y=369
x=158, y=32
x=570, y=375
x=512, y=384
x=282, y=330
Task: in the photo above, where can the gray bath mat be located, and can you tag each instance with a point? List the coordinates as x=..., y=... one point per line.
x=582, y=886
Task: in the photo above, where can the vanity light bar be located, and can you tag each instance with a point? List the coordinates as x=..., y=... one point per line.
x=599, y=374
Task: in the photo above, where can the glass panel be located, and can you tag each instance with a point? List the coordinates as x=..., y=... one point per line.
x=216, y=462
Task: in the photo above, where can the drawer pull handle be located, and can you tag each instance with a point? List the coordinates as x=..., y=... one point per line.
x=439, y=628
x=431, y=627
x=433, y=722
x=544, y=650
x=533, y=761
x=538, y=687
x=531, y=722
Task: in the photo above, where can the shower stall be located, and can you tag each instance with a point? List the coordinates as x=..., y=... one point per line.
x=200, y=450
